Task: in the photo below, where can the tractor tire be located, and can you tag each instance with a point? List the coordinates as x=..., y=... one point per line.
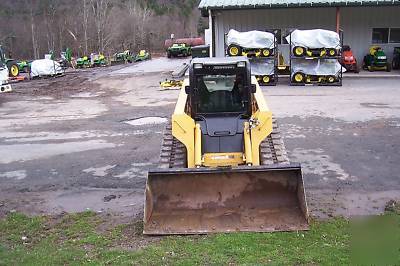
x=234, y=50
x=13, y=69
x=332, y=52
x=388, y=67
x=298, y=77
x=266, y=52
x=331, y=79
x=356, y=69
x=299, y=51
x=168, y=54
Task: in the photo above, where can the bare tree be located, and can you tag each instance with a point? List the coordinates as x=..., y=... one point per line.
x=101, y=14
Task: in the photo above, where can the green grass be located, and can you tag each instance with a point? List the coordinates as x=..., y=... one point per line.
x=77, y=239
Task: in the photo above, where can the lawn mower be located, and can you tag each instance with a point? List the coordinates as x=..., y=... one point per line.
x=83, y=62
x=123, y=57
x=396, y=58
x=250, y=43
x=98, y=60
x=24, y=66
x=142, y=55
x=13, y=69
x=314, y=43
x=376, y=60
x=348, y=60
x=179, y=49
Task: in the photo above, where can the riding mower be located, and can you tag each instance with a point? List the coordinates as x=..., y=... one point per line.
x=396, y=58
x=250, y=43
x=123, y=57
x=24, y=66
x=376, y=60
x=13, y=69
x=348, y=60
x=83, y=62
x=314, y=43
x=179, y=49
x=142, y=55
x=98, y=60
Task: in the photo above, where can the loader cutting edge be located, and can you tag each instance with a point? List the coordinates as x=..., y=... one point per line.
x=210, y=200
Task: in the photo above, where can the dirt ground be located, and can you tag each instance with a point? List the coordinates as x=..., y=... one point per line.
x=72, y=143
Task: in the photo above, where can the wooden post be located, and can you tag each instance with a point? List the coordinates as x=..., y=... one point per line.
x=337, y=19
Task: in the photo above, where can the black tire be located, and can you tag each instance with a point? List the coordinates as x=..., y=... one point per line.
x=388, y=67
x=13, y=69
x=234, y=50
x=356, y=68
x=168, y=54
x=331, y=79
x=295, y=77
x=299, y=50
x=331, y=52
x=266, y=52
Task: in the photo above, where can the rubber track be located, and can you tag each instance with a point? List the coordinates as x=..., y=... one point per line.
x=173, y=152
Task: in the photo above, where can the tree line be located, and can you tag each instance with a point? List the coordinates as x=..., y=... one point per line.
x=32, y=28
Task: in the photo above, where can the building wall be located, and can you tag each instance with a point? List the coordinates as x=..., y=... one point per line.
x=356, y=22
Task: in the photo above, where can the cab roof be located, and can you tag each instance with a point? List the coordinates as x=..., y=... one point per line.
x=219, y=60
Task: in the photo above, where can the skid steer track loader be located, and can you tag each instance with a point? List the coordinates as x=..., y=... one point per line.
x=223, y=165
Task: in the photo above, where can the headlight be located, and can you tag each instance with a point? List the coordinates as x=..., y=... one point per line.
x=381, y=57
x=241, y=64
x=198, y=66
x=349, y=58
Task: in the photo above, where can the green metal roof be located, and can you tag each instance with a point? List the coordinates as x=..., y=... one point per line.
x=250, y=4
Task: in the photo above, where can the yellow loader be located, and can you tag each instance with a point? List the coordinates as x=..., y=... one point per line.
x=223, y=165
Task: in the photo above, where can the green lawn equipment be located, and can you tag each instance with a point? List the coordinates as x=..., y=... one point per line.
x=179, y=49
x=24, y=66
x=123, y=57
x=83, y=62
x=98, y=60
x=376, y=60
x=13, y=69
x=142, y=55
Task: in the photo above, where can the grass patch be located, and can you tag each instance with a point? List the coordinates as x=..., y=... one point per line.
x=75, y=239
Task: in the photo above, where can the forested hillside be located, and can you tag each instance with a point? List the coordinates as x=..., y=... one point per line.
x=31, y=28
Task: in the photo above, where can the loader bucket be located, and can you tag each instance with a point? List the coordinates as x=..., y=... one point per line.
x=206, y=200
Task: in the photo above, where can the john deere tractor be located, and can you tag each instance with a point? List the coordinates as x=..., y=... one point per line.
x=13, y=69
x=123, y=57
x=83, y=62
x=179, y=49
x=376, y=60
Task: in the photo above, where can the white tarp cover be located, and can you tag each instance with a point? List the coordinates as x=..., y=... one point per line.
x=43, y=67
x=316, y=67
x=316, y=38
x=251, y=39
x=3, y=75
x=262, y=67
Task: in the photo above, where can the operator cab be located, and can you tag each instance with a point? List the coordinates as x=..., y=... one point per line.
x=219, y=97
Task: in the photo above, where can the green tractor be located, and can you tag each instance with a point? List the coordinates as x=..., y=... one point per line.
x=142, y=56
x=24, y=66
x=83, y=62
x=376, y=60
x=98, y=60
x=179, y=49
x=123, y=57
x=13, y=69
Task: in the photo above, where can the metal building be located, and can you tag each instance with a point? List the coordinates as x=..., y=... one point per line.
x=364, y=23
